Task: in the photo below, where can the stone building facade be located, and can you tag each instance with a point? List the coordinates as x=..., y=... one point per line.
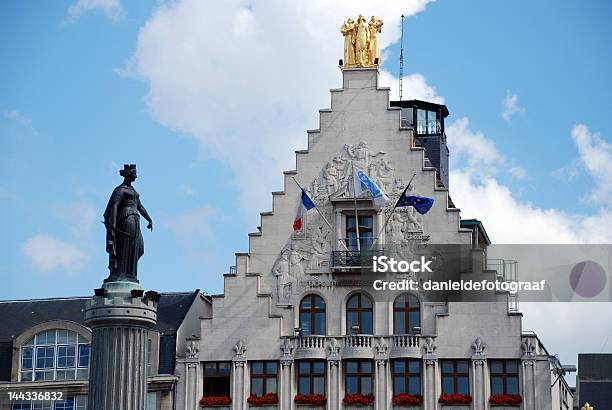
x=294, y=321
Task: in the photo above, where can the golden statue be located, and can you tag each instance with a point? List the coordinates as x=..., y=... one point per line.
x=375, y=26
x=361, y=46
x=348, y=31
x=587, y=406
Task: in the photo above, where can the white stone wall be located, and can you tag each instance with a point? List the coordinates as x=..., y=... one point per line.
x=250, y=309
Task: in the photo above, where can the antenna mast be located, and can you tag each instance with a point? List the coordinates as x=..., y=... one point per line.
x=401, y=70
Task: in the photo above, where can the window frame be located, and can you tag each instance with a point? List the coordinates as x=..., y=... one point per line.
x=217, y=377
x=312, y=312
x=406, y=309
x=360, y=311
x=455, y=374
x=264, y=376
x=311, y=375
x=406, y=375
x=360, y=374
x=505, y=375
x=362, y=230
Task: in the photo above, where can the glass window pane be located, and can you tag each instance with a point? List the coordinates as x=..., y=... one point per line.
x=463, y=385
x=304, y=368
x=304, y=385
x=82, y=374
x=318, y=367
x=399, y=366
x=353, y=302
x=351, y=367
x=350, y=222
x=399, y=385
x=512, y=385
x=366, y=367
x=319, y=385
x=351, y=320
x=257, y=367
x=66, y=356
x=209, y=369
x=65, y=374
x=366, y=323
x=447, y=385
x=462, y=366
x=319, y=323
x=351, y=384
x=447, y=366
x=27, y=359
x=511, y=366
x=271, y=385
x=414, y=366
x=319, y=302
x=366, y=385
x=496, y=366
x=30, y=342
x=83, y=356
x=45, y=357
x=224, y=369
x=415, y=320
x=26, y=376
x=497, y=385
x=399, y=323
x=366, y=302
x=271, y=367
x=414, y=383
x=256, y=386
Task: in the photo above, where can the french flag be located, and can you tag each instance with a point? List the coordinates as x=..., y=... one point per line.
x=306, y=204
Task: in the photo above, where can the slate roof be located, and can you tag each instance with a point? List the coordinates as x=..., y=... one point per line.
x=19, y=315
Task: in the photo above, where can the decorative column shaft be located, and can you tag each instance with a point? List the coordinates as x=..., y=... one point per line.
x=192, y=363
x=333, y=389
x=239, y=376
x=430, y=359
x=120, y=323
x=479, y=361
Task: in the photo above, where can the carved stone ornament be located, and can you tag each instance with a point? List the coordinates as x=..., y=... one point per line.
x=381, y=348
x=479, y=362
x=430, y=362
x=287, y=362
x=286, y=347
x=240, y=348
x=528, y=346
x=528, y=362
x=479, y=346
x=429, y=346
x=192, y=350
x=333, y=349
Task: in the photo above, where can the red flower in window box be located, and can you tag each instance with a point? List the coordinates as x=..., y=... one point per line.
x=313, y=399
x=358, y=399
x=405, y=399
x=268, y=398
x=506, y=399
x=454, y=399
x=215, y=400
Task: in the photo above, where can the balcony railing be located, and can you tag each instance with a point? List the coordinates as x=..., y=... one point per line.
x=353, y=259
x=507, y=271
x=313, y=346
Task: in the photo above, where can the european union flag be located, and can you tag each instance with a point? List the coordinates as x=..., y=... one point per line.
x=420, y=203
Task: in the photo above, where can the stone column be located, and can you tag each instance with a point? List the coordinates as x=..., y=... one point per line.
x=120, y=318
x=380, y=393
x=479, y=361
x=239, y=377
x=339, y=236
x=333, y=385
x=286, y=387
x=529, y=388
x=192, y=364
x=430, y=361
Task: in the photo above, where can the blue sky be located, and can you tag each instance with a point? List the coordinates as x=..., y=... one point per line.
x=86, y=90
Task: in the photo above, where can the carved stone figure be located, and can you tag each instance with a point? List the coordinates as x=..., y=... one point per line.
x=295, y=262
x=285, y=282
x=321, y=248
x=124, y=242
x=412, y=221
x=361, y=42
x=348, y=31
x=396, y=227
x=374, y=27
x=330, y=173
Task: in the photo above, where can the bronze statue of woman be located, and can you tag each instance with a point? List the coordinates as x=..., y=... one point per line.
x=124, y=242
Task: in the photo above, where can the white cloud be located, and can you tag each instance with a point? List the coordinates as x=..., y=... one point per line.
x=246, y=77
x=596, y=159
x=517, y=173
x=111, y=8
x=511, y=107
x=22, y=119
x=471, y=149
x=414, y=86
x=48, y=254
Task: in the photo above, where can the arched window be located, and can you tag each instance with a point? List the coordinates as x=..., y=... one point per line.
x=312, y=315
x=406, y=314
x=56, y=354
x=359, y=315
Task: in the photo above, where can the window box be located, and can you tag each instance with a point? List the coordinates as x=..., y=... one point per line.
x=310, y=400
x=505, y=400
x=215, y=401
x=455, y=399
x=407, y=400
x=358, y=399
x=267, y=400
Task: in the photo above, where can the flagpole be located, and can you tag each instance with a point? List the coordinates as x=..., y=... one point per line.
x=355, y=203
x=391, y=213
x=322, y=216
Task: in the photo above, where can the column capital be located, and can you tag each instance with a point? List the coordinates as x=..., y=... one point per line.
x=286, y=362
x=431, y=361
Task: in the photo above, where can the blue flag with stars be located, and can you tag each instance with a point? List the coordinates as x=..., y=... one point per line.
x=420, y=203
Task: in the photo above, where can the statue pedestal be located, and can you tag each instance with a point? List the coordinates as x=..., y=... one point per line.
x=120, y=319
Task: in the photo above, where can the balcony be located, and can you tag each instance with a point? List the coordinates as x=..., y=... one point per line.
x=356, y=346
x=351, y=261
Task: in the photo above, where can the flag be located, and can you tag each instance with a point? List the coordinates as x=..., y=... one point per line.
x=362, y=182
x=420, y=203
x=306, y=204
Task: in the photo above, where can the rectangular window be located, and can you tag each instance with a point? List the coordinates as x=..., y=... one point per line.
x=366, y=236
x=42, y=405
x=407, y=376
x=407, y=117
x=67, y=404
x=311, y=377
x=455, y=376
x=217, y=378
x=66, y=356
x=504, y=376
x=358, y=376
x=264, y=377
x=45, y=356
x=27, y=358
x=21, y=405
x=83, y=356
